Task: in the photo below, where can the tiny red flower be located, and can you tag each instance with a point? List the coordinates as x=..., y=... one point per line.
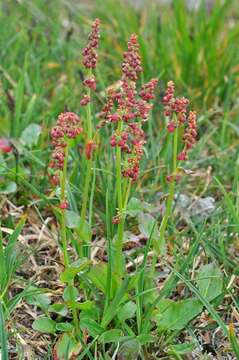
x=116, y=220
x=90, y=83
x=89, y=148
x=64, y=205
x=182, y=156
x=85, y=100
x=171, y=127
x=5, y=145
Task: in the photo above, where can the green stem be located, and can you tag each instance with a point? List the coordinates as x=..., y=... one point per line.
x=120, y=231
x=169, y=204
x=63, y=219
x=122, y=203
x=87, y=183
x=63, y=232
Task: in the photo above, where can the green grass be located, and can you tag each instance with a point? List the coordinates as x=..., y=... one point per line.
x=41, y=76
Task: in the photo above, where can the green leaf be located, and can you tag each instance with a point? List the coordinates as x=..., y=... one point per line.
x=175, y=315
x=60, y=309
x=134, y=207
x=72, y=219
x=86, y=305
x=45, y=325
x=3, y=337
x=75, y=268
x=117, y=300
x=70, y=293
x=66, y=346
x=146, y=338
x=127, y=311
x=210, y=281
x=98, y=276
x=35, y=297
x=147, y=226
x=8, y=188
x=64, y=327
x=129, y=350
x=93, y=328
x=30, y=135
x=182, y=349
x=110, y=336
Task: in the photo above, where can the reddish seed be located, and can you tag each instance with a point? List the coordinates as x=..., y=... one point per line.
x=89, y=148
x=85, y=100
x=169, y=178
x=116, y=220
x=171, y=127
x=5, y=145
x=55, y=180
x=64, y=205
x=90, y=83
x=182, y=156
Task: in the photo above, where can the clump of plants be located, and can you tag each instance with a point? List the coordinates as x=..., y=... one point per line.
x=103, y=303
x=111, y=306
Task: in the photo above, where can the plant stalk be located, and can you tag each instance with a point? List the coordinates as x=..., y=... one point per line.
x=88, y=176
x=63, y=218
x=169, y=204
x=122, y=203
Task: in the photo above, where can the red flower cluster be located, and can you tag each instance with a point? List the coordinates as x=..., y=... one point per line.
x=190, y=135
x=176, y=109
x=147, y=90
x=174, y=105
x=131, y=65
x=89, y=52
x=130, y=108
x=90, y=59
x=67, y=127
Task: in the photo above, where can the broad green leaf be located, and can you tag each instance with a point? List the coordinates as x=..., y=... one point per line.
x=8, y=188
x=147, y=226
x=45, y=325
x=110, y=336
x=70, y=293
x=127, y=311
x=129, y=350
x=210, y=281
x=30, y=135
x=112, y=309
x=36, y=298
x=98, y=276
x=60, y=309
x=146, y=223
x=64, y=327
x=72, y=219
x=93, y=328
x=146, y=338
x=86, y=305
x=67, y=346
x=70, y=272
x=182, y=349
x=175, y=315
x=134, y=207
x=90, y=314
